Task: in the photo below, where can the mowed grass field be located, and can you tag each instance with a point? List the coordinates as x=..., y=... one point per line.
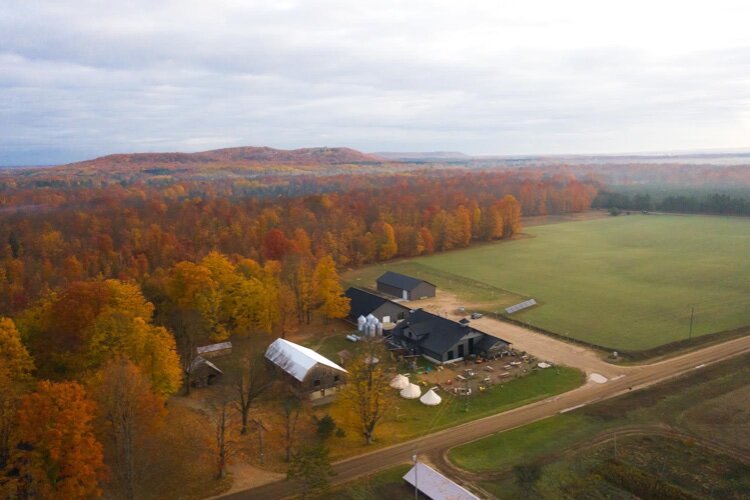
x=625, y=282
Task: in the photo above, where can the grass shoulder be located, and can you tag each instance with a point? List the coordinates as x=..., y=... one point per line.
x=690, y=430
x=409, y=419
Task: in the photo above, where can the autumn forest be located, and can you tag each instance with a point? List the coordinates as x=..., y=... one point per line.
x=112, y=278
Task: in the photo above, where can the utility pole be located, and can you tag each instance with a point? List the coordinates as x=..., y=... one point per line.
x=466, y=394
x=615, y=444
x=692, y=313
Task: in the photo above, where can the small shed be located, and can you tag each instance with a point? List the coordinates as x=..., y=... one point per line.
x=405, y=287
x=214, y=350
x=436, y=486
x=203, y=372
x=308, y=373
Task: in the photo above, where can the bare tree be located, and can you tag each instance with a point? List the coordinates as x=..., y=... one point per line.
x=291, y=408
x=226, y=443
x=129, y=410
x=188, y=332
x=251, y=381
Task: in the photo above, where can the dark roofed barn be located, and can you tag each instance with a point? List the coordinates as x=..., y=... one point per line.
x=405, y=287
x=363, y=303
x=443, y=340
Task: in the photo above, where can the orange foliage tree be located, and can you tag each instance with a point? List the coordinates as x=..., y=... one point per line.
x=59, y=455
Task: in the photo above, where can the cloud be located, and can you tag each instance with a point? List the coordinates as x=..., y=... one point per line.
x=82, y=78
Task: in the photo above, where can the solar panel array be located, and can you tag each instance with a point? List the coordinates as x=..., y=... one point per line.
x=522, y=305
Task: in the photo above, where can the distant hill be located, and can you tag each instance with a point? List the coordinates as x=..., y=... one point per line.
x=230, y=157
x=426, y=156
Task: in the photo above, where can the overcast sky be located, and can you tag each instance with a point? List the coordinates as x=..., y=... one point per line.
x=82, y=78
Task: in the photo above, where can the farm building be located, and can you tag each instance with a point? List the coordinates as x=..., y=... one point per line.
x=442, y=340
x=405, y=287
x=214, y=350
x=203, y=372
x=436, y=486
x=363, y=303
x=309, y=374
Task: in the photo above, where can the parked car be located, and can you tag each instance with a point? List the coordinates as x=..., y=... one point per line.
x=476, y=315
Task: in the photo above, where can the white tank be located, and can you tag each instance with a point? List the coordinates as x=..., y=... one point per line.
x=361, y=323
x=379, y=329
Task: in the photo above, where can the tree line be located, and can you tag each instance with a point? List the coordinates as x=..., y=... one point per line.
x=696, y=203
x=54, y=236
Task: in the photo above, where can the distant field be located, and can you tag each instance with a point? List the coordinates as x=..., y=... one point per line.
x=623, y=283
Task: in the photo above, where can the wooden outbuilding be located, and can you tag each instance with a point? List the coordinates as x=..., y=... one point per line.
x=214, y=350
x=203, y=372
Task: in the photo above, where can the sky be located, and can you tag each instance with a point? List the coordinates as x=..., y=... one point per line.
x=84, y=78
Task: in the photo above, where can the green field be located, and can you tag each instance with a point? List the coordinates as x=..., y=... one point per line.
x=661, y=432
x=625, y=283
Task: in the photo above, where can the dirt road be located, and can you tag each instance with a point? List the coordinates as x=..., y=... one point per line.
x=632, y=379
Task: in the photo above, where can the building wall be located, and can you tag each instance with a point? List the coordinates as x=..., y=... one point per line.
x=307, y=388
x=389, y=290
x=423, y=290
x=394, y=311
x=203, y=376
x=467, y=346
x=321, y=378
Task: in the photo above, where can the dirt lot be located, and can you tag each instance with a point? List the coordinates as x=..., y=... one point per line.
x=476, y=376
x=541, y=346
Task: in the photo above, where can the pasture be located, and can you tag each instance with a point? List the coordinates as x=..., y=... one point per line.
x=627, y=283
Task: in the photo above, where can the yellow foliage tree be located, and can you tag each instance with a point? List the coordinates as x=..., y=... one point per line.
x=327, y=291
x=15, y=362
x=192, y=289
x=366, y=392
x=386, y=240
